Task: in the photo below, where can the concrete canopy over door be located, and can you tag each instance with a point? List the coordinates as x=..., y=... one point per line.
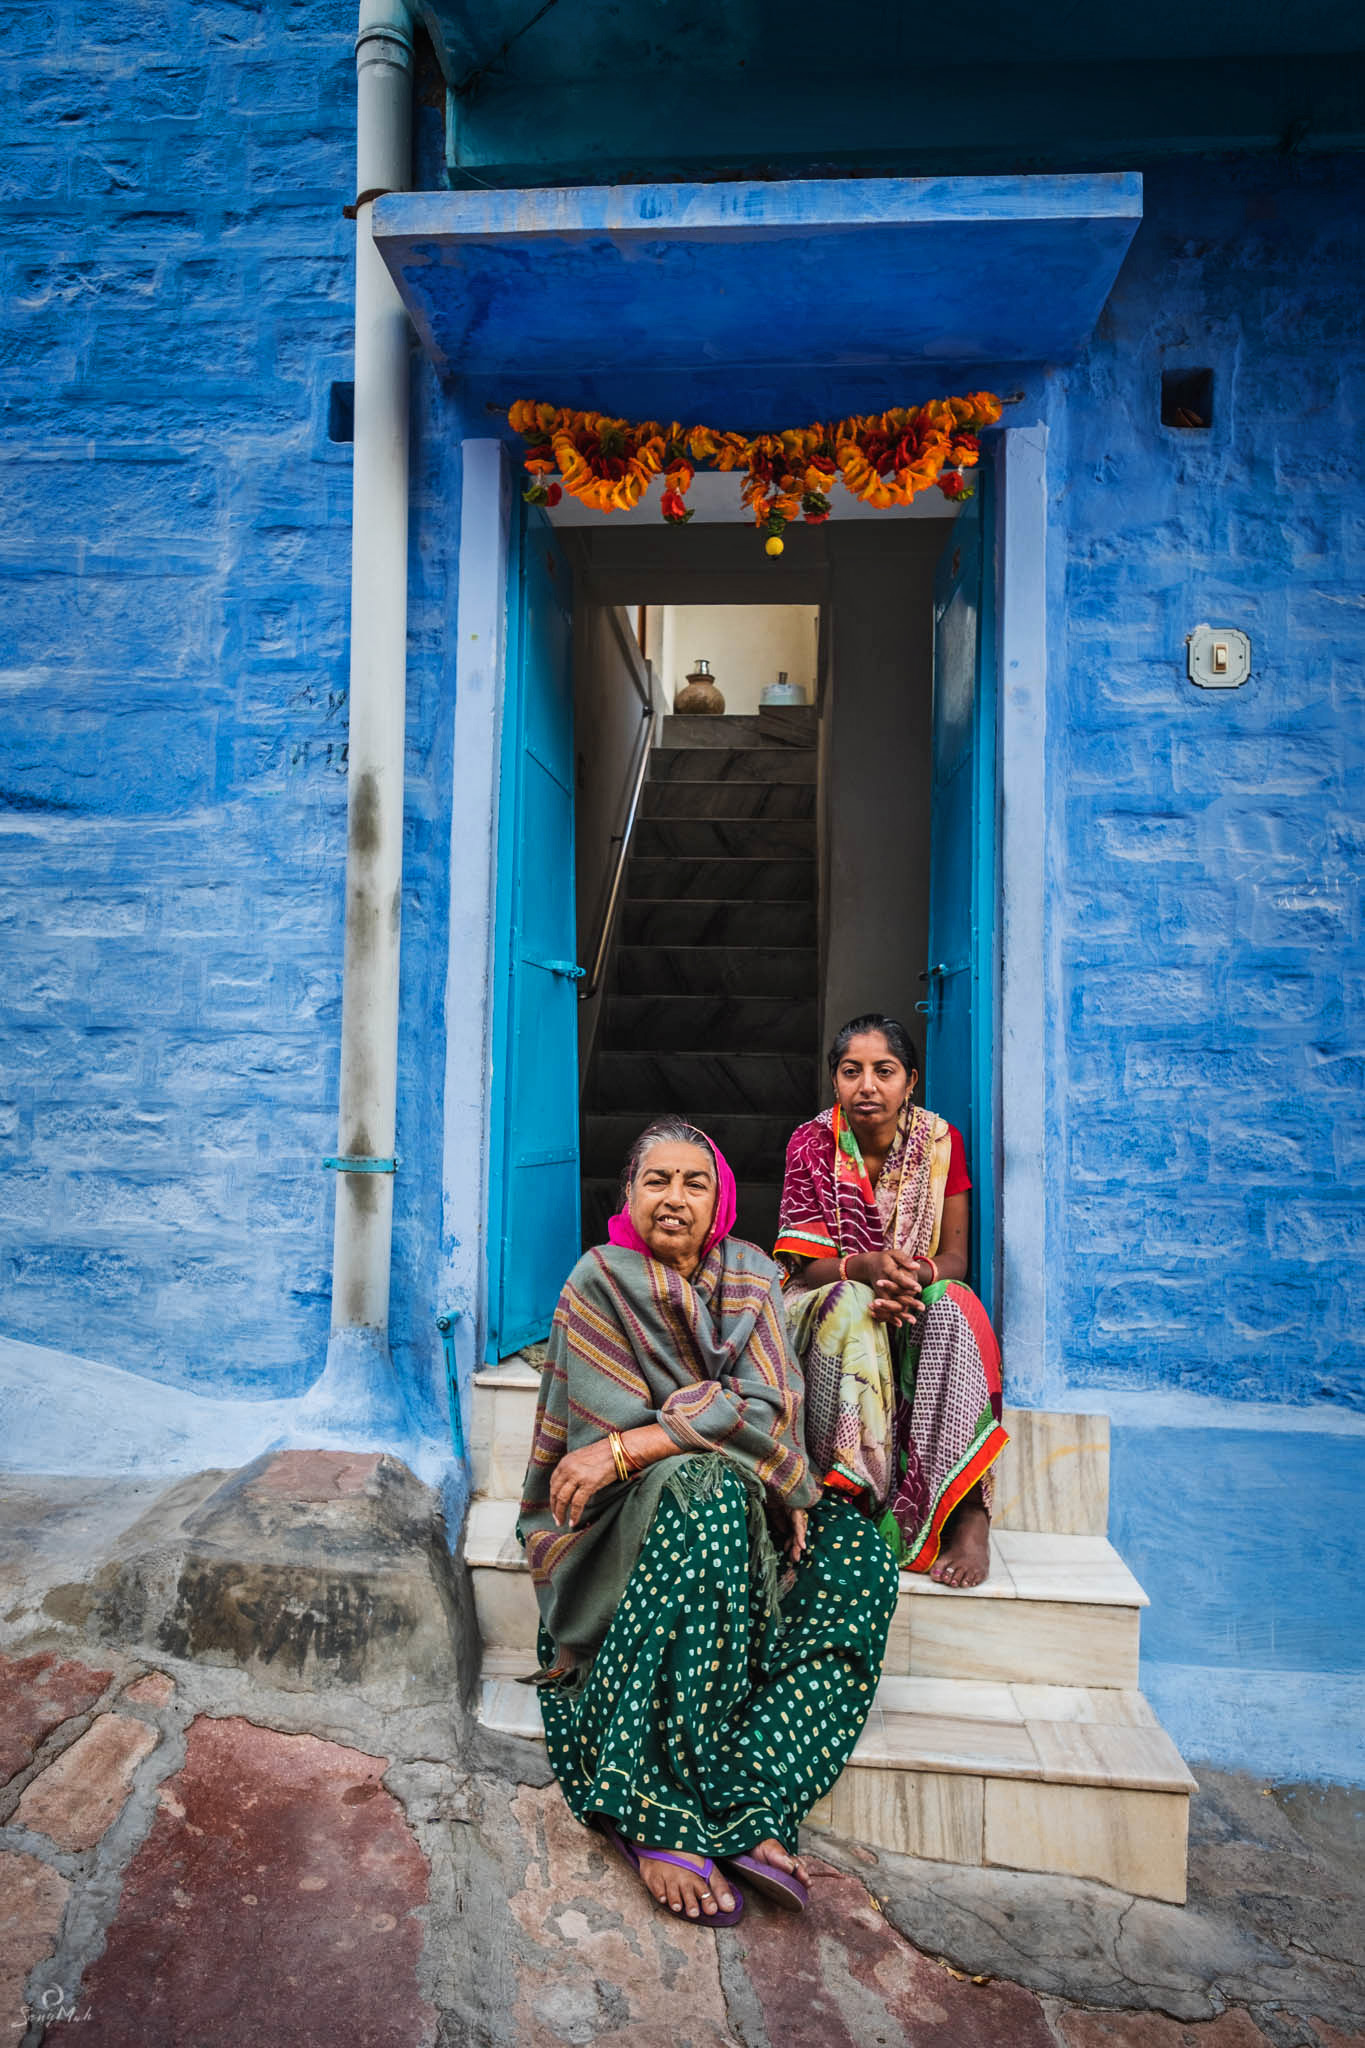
x=676, y=298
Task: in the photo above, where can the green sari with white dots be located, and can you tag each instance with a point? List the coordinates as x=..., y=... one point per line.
x=710, y=1720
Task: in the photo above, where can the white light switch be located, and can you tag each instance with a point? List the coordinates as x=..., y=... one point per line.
x=1219, y=657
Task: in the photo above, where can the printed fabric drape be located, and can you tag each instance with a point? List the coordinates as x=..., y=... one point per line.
x=707, y=1723
x=909, y=1418
x=634, y=1343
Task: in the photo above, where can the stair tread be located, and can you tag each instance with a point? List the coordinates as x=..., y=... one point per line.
x=670, y=798
x=1093, y=1736
x=732, y=764
x=509, y=1372
x=1026, y=1564
x=776, y=725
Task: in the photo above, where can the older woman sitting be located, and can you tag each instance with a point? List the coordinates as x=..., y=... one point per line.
x=697, y=1700
x=901, y=1365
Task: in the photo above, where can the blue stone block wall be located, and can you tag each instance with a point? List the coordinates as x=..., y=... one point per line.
x=176, y=283
x=1206, y=1075
x=1207, y=1200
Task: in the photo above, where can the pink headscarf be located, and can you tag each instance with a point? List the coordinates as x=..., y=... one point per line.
x=623, y=1232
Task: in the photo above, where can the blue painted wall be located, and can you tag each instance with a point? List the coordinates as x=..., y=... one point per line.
x=175, y=546
x=1207, y=914
x=1207, y=1212
x=174, y=530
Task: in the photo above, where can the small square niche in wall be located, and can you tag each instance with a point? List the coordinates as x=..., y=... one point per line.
x=341, y=413
x=1187, y=399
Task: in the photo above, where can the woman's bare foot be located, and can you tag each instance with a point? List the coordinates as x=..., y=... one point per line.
x=965, y=1559
x=685, y=1891
x=772, y=1852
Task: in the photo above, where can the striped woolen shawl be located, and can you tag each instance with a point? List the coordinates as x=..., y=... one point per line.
x=634, y=1343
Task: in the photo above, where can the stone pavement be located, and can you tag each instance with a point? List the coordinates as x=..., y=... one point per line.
x=306, y=1849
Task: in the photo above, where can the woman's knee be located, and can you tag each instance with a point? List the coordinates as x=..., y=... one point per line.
x=871, y=1558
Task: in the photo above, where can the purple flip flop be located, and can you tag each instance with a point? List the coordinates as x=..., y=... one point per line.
x=780, y=1886
x=631, y=1854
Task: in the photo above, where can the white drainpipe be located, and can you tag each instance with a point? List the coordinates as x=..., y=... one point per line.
x=359, y=1377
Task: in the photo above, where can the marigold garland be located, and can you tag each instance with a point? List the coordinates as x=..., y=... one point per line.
x=884, y=458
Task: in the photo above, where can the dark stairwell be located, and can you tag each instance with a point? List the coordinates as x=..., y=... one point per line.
x=711, y=998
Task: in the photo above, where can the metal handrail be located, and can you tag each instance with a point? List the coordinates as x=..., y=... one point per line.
x=589, y=988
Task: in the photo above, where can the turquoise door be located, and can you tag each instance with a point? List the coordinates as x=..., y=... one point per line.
x=534, y=1192
x=960, y=1001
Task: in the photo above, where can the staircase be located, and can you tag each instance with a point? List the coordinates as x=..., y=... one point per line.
x=1008, y=1729
x=711, y=995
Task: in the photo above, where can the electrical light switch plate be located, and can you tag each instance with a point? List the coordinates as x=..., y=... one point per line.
x=1219, y=657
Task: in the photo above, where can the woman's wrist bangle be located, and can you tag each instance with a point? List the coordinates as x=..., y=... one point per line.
x=618, y=1456
x=933, y=1268
x=843, y=1265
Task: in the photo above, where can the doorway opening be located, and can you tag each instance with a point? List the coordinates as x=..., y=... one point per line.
x=743, y=882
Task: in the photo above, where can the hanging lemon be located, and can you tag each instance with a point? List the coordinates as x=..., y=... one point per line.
x=772, y=545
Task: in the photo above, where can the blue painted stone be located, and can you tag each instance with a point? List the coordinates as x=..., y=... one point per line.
x=174, y=544
x=544, y=289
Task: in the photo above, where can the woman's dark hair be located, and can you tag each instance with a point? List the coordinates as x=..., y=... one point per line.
x=898, y=1039
x=665, y=1130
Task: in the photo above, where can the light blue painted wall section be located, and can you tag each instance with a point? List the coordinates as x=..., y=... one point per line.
x=1205, y=1073
x=1205, y=951
x=175, y=292
x=542, y=289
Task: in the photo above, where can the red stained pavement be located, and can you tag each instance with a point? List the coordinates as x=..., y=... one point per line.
x=1154, y=2030
x=74, y=1800
x=272, y=1901
x=36, y=1695
x=831, y=1973
x=32, y=1899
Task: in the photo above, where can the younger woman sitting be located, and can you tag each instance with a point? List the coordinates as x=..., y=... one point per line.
x=902, y=1370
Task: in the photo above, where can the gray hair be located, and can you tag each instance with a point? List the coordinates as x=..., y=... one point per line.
x=665, y=1130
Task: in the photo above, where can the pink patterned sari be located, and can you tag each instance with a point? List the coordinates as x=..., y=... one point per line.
x=909, y=1419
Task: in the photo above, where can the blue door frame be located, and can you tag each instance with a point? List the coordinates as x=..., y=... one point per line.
x=960, y=1007
x=534, y=1203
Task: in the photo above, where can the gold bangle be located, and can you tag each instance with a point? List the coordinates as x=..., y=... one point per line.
x=618, y=1456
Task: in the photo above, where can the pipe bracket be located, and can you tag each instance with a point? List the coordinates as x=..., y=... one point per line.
x=363, y=198
x=353, y=1164
x=446, y=1325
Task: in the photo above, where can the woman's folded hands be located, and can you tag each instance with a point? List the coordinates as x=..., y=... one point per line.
x=893, y=1277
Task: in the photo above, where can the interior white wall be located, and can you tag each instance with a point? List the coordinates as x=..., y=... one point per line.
x=746, y=645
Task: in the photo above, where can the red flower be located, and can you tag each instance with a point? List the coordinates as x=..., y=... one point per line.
x=674, y=509
x=553, y=494
x=953, y=484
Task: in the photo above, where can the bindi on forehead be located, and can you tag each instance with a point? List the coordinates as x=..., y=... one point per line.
x=689, y=1159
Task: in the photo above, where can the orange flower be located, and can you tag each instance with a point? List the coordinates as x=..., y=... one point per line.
x=885, y=459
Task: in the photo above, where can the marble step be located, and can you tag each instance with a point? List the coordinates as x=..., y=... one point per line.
x=754, y=1145
x=1076, y=1781
x=780, y=725
x=748, y=880
x=792, y=971
x=697, y=921
x=667, y=1023
x=696, y=1083
x=724, y=838
x=756, y=1220
x=1056, y=1610
x=728, y=800
x=732, y=764
x=1052, y=1477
